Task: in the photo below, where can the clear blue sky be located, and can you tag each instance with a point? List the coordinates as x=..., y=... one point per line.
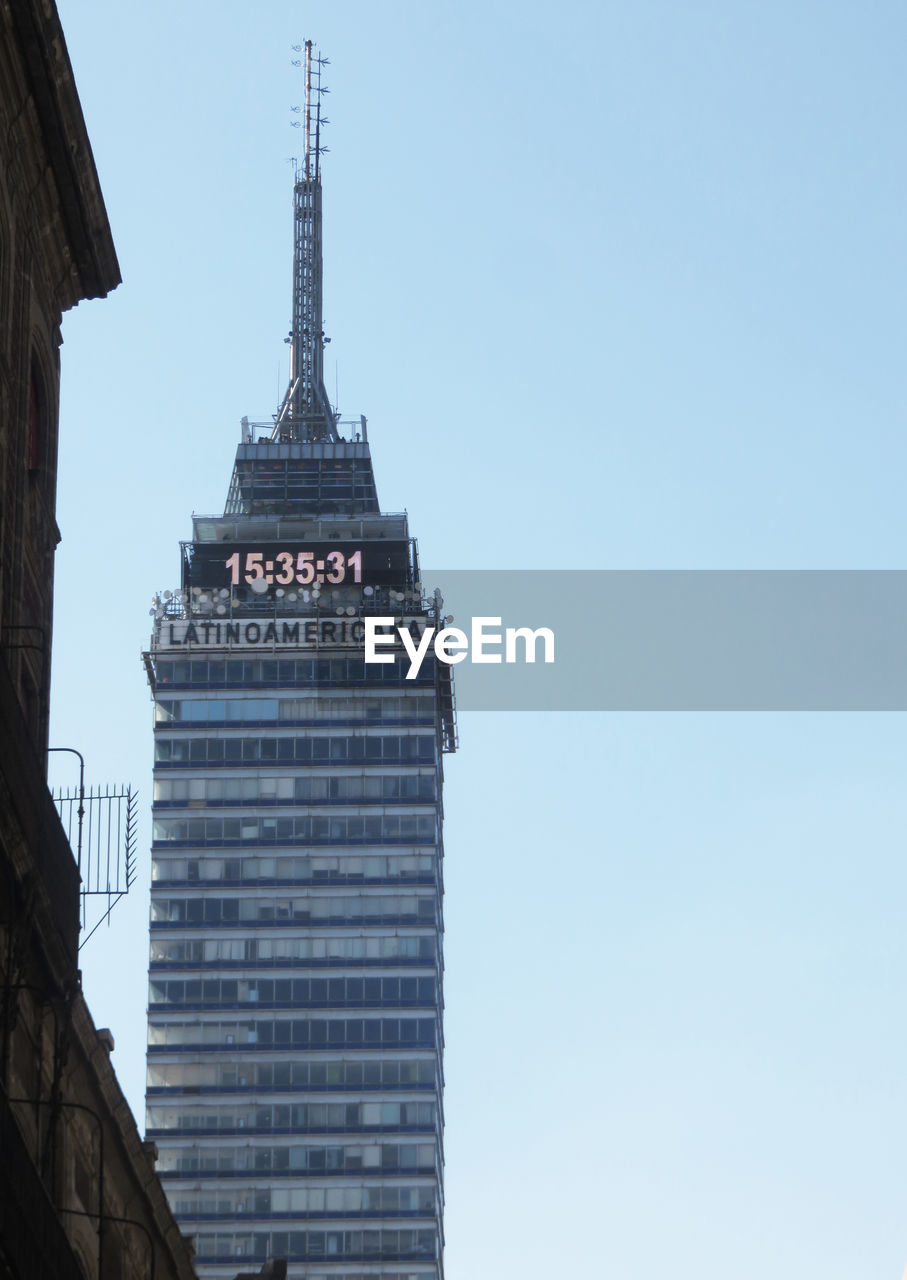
x=618, y=285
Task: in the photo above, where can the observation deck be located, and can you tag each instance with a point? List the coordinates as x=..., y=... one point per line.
x=302, y=477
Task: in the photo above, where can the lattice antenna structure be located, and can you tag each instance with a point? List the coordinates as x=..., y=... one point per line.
x=105, y=833
x=306, y=413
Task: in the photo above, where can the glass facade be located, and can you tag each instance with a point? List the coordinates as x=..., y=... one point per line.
x=295, y=1000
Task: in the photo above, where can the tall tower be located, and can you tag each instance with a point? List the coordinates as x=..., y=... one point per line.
x=294, y=1032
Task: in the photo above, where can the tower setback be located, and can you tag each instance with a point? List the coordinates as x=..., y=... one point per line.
x=295, y=1007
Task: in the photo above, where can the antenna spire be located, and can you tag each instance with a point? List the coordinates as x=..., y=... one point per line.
x=306, y=413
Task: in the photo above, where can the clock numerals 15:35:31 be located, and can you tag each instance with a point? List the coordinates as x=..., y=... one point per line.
x=301, y=567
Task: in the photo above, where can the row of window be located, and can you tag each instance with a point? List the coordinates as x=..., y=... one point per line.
x=296, y=489
x=311, y=1201
x=358, y=1245
x=297, y=1033
x=374, y=748
x=245, y=672
x=363, y=502
x=327, y=458
x=379, y=828
x=298, y=992
x=320, y=869
x=398, y=1156
x=300, y=1117
x=351, y=908
x=302, y=481
x=408, y=1274
x=267, y=470
x=281, y=494
x=286, y=495
x=386, y=1073
x=357, y=788
x=403, y=708
x=302, y=470
x=329, y=950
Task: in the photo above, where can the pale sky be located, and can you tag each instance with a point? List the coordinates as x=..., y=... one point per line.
x=618, y=285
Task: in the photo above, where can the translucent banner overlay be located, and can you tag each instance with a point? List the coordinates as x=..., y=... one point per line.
x=683, y=640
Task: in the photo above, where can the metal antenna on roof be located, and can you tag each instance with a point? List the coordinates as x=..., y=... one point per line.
x=306, y=413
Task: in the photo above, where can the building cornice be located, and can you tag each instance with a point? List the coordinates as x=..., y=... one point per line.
x=68, y=151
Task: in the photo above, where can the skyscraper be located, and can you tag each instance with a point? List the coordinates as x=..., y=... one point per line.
x=295, y=1038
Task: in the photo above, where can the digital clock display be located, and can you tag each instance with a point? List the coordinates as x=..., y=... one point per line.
x=335, y=567
x=291, y=565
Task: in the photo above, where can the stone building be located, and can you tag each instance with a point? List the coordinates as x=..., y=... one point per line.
x=79, y=1196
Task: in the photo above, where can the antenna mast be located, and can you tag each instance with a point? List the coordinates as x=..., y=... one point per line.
x=306, y=413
